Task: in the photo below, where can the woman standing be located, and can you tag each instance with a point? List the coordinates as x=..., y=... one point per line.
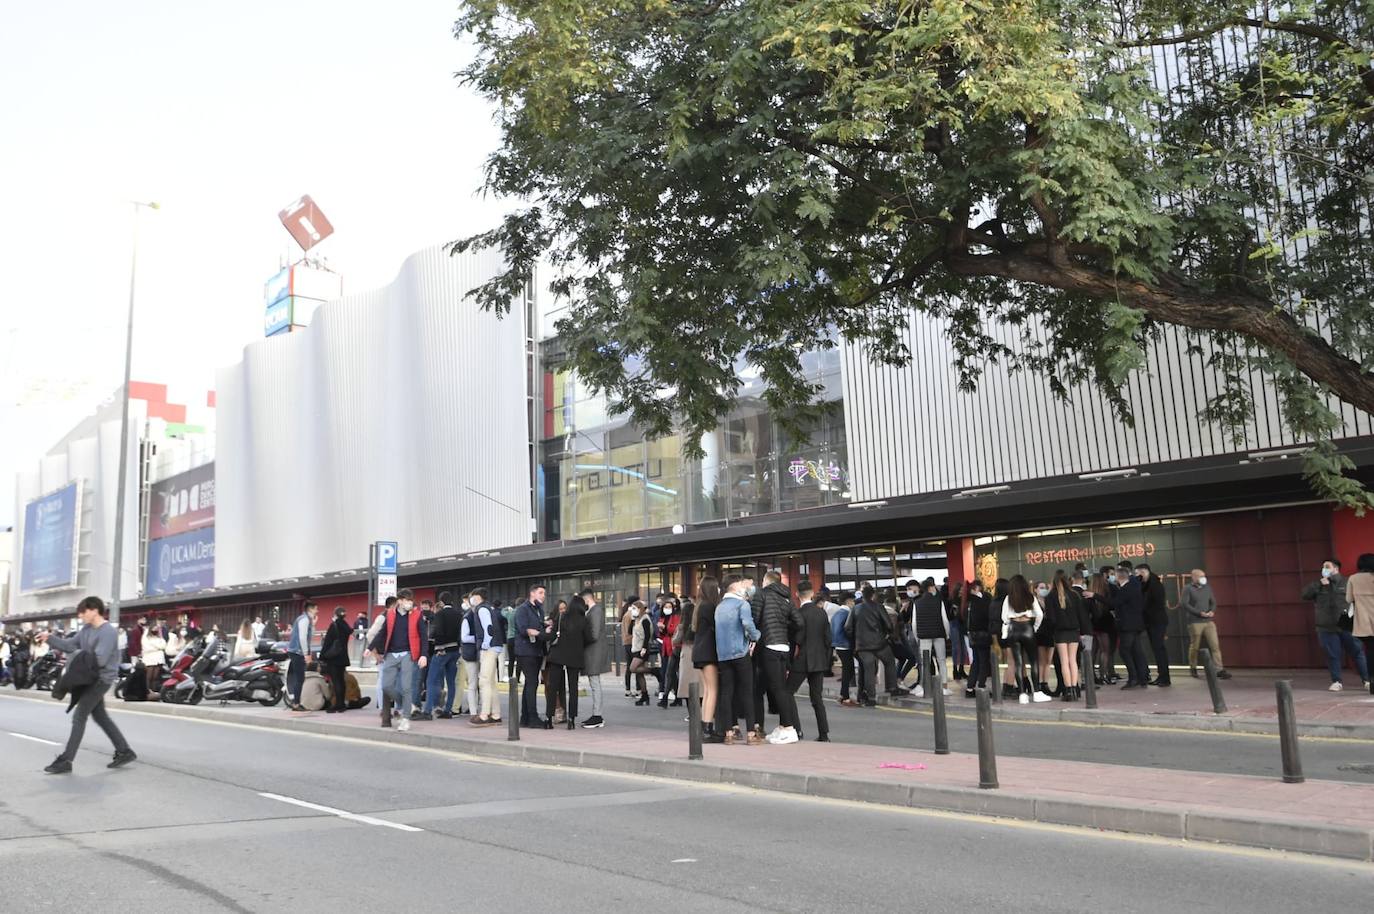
x=980, y=627
x=1044, y=641
x=627, y=638
x=1098, y=598
x=956, y=609
x=154, y=655
x=736, y=636
x=571, y=635
x=1359, y=595
x=1065, y=607
x=667, y=630
x=704, y=654
x=245, y=645
x=684, y=643
x=1021, y=619
x=643, y=655
x=334, y=659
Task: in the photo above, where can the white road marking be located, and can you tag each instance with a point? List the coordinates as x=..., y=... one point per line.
x=341, y=813
x=46, y=742
x=685, y=860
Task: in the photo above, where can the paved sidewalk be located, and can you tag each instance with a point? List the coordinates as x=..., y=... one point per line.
x=1321, y=817
x=1250, y=700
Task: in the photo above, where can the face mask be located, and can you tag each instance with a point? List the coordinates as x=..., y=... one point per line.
x=911, y=593
x=667, y=610
x=1043, y=591
x=1327, y=571
x=1202, y=581
x=634, y=612
x=1144, y=575
x=752, y=590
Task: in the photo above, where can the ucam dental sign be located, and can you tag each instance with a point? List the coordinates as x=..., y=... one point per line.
x=181, y=564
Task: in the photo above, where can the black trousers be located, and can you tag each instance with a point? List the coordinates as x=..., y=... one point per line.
x=1133, y=653
x=1159, y=644
x=846, y=670
x=336, y=673
x=735, y=693
x=868, y=671
x=561, y=685
x=295, y=677
x=91, y=705
x=982, y=667
x=529, y=698
x=773, y=666
x=815, y=684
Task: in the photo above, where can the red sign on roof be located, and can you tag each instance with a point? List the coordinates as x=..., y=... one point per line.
x=306, y=223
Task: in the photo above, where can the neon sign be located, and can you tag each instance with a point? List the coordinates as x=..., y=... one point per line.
x=823, y=473
x=1062, y=556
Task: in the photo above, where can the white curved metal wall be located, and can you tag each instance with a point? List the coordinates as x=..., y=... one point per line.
x=911, y=431
x=398, y=414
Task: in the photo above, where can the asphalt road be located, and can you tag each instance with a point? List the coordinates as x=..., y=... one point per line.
x=188, y=828
x=1185, y=750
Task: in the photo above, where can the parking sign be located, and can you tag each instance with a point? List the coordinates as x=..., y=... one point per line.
x=387, y=558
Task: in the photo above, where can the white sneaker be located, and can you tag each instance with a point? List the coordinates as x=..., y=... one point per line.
x=784, y=737
x=1040, y=696
x=1335, y=687
x=775, y=731
x=920, y=692
x=403, y=724
x=672, y=696
x=948, y=693
x=1024, y=699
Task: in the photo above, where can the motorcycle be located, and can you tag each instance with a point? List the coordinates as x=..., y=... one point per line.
x=19, y=663
x=180, y=685
x=46, y=671
x=258, y=679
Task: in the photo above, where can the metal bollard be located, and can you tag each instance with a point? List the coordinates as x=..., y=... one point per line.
x=936, y=689
x=1288, y=733
x=995, y=682
x=987, y=753
x=513, y=706
x=1089, y=684
x=1213, y=683
x=694, y=721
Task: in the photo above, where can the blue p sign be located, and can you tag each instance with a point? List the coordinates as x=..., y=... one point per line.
x=386, y=558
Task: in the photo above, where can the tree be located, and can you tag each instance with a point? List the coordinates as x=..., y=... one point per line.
x=760, y=177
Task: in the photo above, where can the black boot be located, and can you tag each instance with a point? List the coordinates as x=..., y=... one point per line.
x=643, y=699
x=548, y=723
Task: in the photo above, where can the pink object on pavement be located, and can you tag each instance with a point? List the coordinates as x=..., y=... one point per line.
x=903, y=766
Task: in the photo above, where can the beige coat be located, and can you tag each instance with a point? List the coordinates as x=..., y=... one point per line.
x=1359, y=589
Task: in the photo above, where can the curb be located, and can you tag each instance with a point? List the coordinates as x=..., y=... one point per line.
x=1343, y=842
x=1201, y=721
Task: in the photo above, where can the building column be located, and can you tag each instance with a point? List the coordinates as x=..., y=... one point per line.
x=959, y=560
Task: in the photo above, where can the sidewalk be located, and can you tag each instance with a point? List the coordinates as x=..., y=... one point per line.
x=1250, y=701
x=1319, y=817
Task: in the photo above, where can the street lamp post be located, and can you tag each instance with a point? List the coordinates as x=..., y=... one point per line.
x=122, y=483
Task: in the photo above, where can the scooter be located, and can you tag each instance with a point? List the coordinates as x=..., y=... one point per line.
x=257, y=680
x=181, y=686
x=18, y=667
x=46, y=671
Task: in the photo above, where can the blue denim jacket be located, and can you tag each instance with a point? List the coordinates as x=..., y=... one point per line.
x=735, y=628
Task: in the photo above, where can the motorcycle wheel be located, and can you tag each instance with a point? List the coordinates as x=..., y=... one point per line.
x=196, y=696
x=119, y=689
x=273, y=699
x=165, y=695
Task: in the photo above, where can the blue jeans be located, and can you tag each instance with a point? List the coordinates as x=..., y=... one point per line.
x=398, y=680
x=442, y=668
x=1336, y=643
x=956, y=643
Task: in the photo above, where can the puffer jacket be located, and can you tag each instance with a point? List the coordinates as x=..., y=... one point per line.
x=775, y=616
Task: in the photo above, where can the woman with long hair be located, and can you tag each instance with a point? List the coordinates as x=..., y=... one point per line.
x=1065, y=607
x=563, y=666
x=668, y=624
x=1001, y=651
x=1359, y=595
x=1099, y=600
x=704, y=654
x=642, y=654
x=1021, y=619
x=154, y=655
x=1044, y=640
x=245, y=646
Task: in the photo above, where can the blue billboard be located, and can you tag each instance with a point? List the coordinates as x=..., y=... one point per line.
x=182, y=563
x=52, y=530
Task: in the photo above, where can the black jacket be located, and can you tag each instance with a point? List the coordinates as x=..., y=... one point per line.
x=813, y=640
x=777, y=620
x=704, y=633
x=980, y=624
x=571, y=635
x=447, y=627
x=1129, y=605
x=1072, y=617
x=1156, y=612
x=926, y=614
x=81, y=672
x=334, y=647
x=868, y=627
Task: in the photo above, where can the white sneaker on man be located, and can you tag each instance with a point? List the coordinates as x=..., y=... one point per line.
x=1040, y=696
x=403, y=724
x=774, y=732
x=948, y=693
x=1335, y=687
x=1023, y=698
x=784, y=736
x=920, y=692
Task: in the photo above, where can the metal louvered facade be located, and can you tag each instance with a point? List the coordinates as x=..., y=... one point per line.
x=912, y=431
x=400, y=414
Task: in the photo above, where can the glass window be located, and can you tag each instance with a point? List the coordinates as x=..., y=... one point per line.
x=663, y=481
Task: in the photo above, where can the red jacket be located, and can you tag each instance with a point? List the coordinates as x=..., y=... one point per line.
x=416, y=642
x=669, y=624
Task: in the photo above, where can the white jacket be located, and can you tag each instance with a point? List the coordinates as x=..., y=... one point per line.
x=1036, y=613
x=153, y=649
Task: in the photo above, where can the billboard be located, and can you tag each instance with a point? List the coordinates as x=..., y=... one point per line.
x=182, y=503
x=277, y=318
x=52, y=535
x=182, y=563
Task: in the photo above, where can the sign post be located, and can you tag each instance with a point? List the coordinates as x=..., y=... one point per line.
x=384, y=562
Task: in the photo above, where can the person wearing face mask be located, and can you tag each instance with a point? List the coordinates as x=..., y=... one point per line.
x=626, y=636
x=668, y=622
x=1022, y=617
x=643, y=649
x=1067, y=615
x=488, y=631
x=930, y=625
x=779, y=622
x=1359, y=597
x=400, y=642
x=1129, y=606
x=1156, y=622
x=1327, y=594
x=736, y=637
x=1200, y=609
x=979, y=624
x=596, y=658
x=1044, y=640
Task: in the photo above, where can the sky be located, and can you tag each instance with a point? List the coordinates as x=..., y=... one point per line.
x=223, y=114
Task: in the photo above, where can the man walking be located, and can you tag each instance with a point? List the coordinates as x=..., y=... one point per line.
x=445, y=635
x=1200, y=607
x=530, y=639
x=1328, y=597
x=812, y=659
x=596, y=657
x=99, y=638
x=298, y=650
x=1156, y=623
x=400, y=643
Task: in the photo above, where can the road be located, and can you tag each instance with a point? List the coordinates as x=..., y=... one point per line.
x=190, y=826
x=1187, y=750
